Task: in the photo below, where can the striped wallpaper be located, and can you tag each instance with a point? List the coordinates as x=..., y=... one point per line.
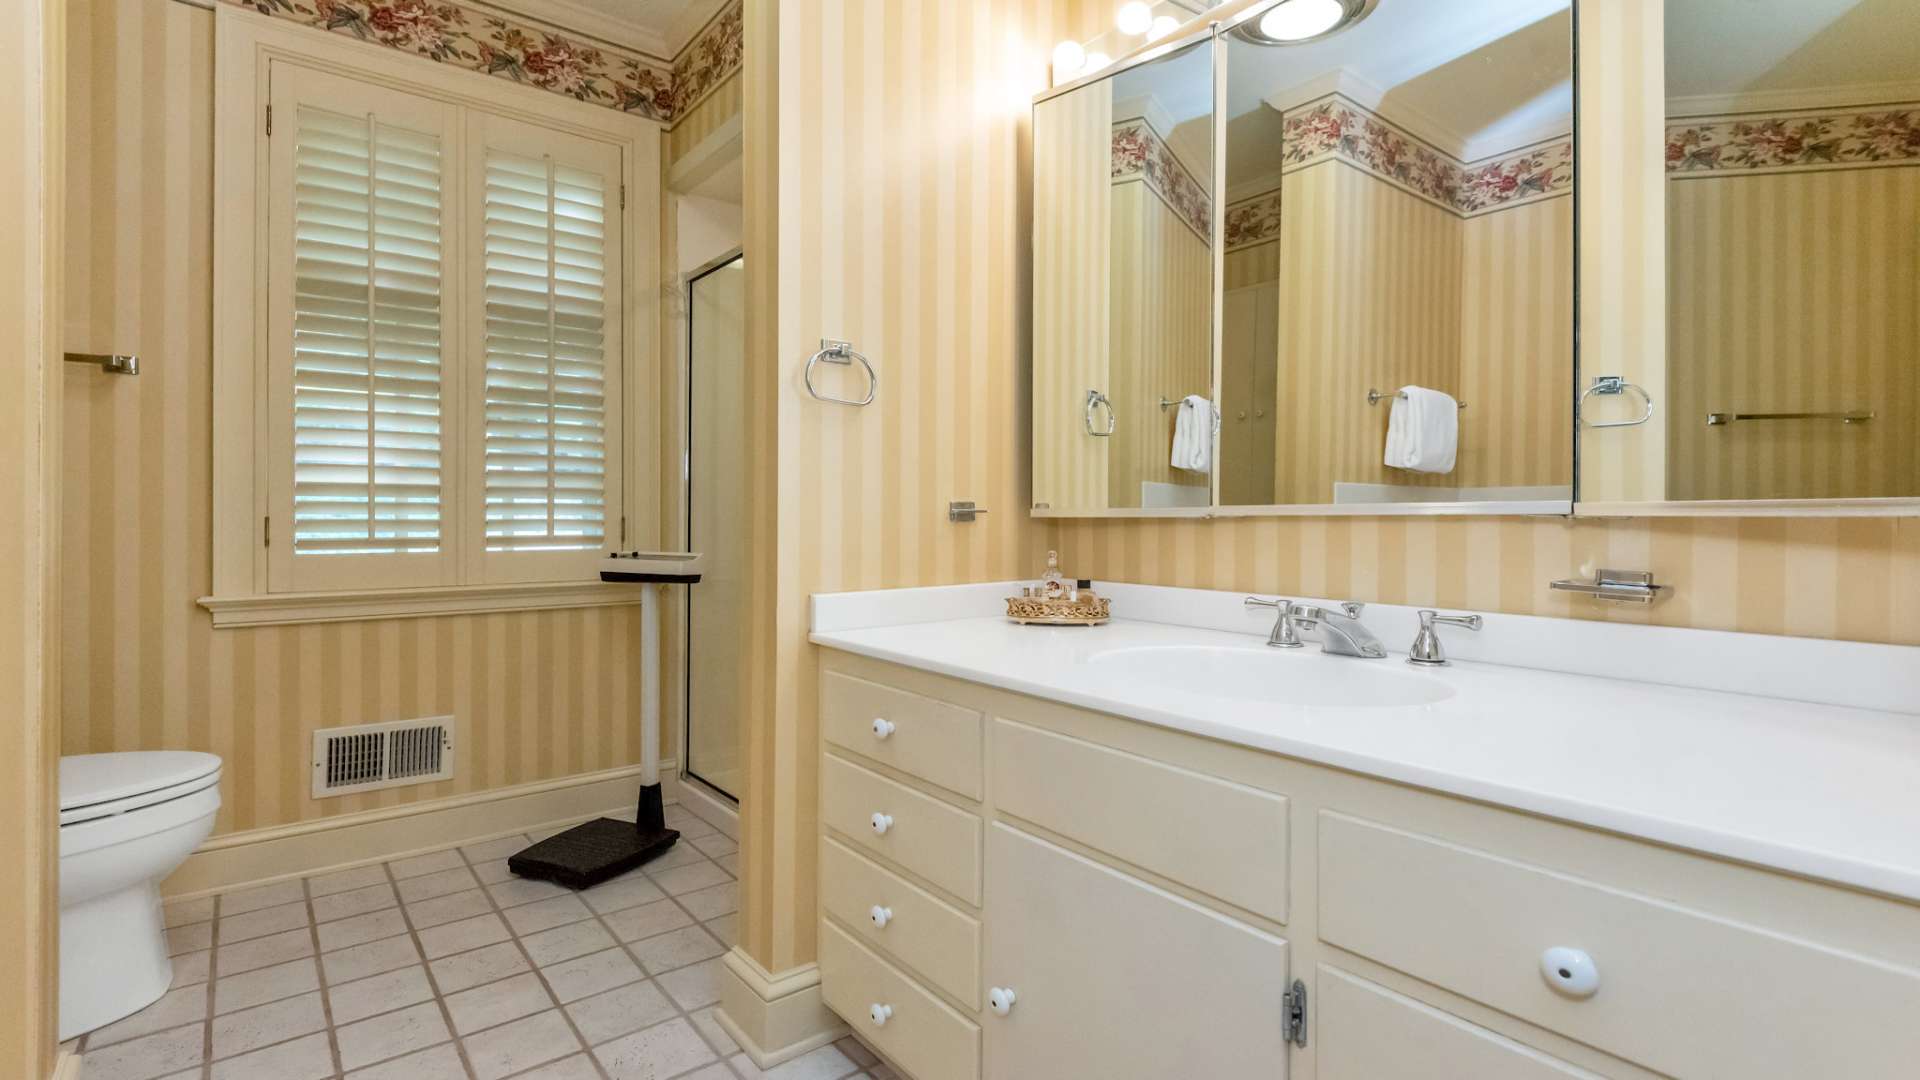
x=1366, y=301
x=1794, y=292
x=918, y=256
x=1516, y=335
x=1072, y=295
x=31, y=193
x=1161, y=341
x=719, y=106
x=1855, y=579
x=537, y=695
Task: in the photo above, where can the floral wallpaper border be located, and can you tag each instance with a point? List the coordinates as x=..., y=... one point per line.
x=1335, y=127
x=1139, y=152
x=447, y=32
x=1850, y=139
x=1253, y=221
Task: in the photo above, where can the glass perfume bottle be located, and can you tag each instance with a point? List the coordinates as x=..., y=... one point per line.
x=1053, y=585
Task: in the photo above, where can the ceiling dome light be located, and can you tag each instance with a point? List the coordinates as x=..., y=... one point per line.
x=1162, y=26
x=1291, y=22
x=1068, y=60
x=1135, y=18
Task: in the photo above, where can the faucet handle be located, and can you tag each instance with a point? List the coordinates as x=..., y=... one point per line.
x=1285, y=635
x=1426, y=650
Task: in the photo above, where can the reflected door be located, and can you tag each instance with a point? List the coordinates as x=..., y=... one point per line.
x=716, y=515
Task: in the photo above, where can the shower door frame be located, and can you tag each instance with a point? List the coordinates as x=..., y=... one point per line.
x=692, y=278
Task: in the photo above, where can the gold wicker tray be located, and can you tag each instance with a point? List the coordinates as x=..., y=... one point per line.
x=1038, y=611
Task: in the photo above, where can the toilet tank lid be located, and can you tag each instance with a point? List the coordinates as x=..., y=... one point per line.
x=86, y=779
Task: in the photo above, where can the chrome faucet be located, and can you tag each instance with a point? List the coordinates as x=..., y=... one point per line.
x=1340, y=632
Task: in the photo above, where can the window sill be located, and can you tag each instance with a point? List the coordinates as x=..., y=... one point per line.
x=287, y=609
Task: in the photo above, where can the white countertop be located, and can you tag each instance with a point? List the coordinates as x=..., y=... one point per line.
x=1822, y=790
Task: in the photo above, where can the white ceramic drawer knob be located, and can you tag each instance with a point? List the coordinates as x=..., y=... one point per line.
x=881, y=823
x=881, y=916
x=1000, y=999
x=1570, y=971
x=880, y=1014
x=882, y=727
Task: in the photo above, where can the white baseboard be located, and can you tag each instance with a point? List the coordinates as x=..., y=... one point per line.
x=774, y=1018
x=261, y=856
x=700, y=800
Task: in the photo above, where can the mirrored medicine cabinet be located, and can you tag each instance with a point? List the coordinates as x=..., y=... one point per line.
x=1250, y=247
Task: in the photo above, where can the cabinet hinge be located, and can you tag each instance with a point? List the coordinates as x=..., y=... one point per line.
x=269, y=121
x=1295, y=1003
x=266, y=532
x=623, y=530
x=623, y=196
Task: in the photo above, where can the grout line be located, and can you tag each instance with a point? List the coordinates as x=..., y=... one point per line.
x=426, y=965
x=499, y=911
x=213, y=973
x=514, y=936
x=320, y=974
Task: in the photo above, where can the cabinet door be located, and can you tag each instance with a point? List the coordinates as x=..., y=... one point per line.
x=1116, y=979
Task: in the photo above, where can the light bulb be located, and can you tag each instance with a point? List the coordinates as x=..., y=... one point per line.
x=1162, y=26
x=1298, y=20
x=1096, y=61
x=1068, y=60
x=1135, y=18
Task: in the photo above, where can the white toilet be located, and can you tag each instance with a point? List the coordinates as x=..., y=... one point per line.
x=126, y=822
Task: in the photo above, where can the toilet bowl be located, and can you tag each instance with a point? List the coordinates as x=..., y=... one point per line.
x=126, y=822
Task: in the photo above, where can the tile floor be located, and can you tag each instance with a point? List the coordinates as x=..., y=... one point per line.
x=445, y=965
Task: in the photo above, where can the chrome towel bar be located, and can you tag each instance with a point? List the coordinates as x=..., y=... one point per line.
x=1375, y=397
x=1719, y=419
x=111, y=363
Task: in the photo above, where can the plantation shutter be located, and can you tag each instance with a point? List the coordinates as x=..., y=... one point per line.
x=549, y=237
x=367, y=305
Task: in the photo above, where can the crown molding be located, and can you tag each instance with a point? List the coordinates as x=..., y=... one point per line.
x=578, y=20
x=1862, y=95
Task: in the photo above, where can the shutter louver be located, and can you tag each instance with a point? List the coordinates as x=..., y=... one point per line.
x=367, y=468
x=545, y=228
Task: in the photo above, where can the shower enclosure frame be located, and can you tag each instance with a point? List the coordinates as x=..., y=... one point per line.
x=691, y=279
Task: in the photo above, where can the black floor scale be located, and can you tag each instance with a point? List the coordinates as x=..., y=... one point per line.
x=604, y=848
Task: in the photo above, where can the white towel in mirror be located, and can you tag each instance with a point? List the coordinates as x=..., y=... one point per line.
x=1193, y=435
x=1423, y=434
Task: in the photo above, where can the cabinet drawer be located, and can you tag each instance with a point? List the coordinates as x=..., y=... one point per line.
x=934, y=740
x=1680, y=991
x=921, y=931
x=928, y=837
x=925, y=1036
x=1224, y=839
x=1368, y=1032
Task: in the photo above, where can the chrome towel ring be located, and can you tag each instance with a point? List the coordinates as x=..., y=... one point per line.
x=1096, y=398
x=1612, y=384
x=843, y=353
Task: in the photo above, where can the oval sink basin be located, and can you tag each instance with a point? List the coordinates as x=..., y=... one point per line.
x=1268, y=677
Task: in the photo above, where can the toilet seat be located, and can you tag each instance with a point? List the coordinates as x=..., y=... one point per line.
x=96, y=786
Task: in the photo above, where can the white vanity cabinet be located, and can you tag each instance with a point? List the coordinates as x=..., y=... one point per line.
x=1012, y=888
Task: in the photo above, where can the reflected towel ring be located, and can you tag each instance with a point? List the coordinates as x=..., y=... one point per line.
x=1610, y=385
x=840, y=352
x=1096, y=398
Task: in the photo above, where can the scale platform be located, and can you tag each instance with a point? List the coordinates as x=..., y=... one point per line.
x=605, y=848
x=653, y=567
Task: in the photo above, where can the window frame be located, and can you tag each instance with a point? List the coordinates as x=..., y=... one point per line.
x=246, y=588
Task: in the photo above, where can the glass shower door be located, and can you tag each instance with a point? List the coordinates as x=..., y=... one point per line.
x=716, y=519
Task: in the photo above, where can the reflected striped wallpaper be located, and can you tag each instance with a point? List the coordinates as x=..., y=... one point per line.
x=537, y=695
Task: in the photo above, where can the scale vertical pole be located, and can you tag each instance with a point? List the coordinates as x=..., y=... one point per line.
x=651, y=813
